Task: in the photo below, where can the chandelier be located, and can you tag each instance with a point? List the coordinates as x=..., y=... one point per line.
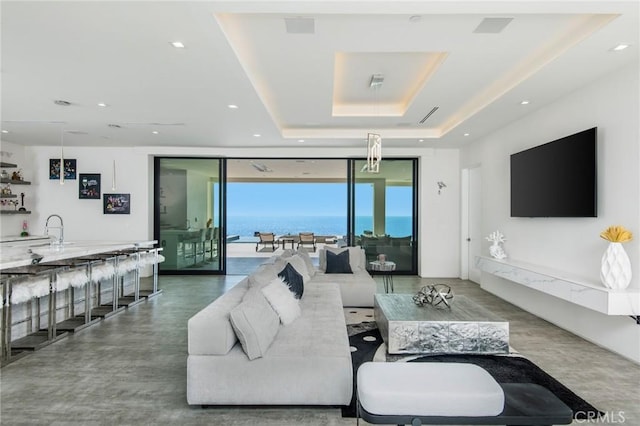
x=374, y=141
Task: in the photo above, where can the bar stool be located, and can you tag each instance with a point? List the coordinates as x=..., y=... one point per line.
x=22, y=286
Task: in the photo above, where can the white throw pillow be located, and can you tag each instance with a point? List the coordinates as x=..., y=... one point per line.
x=300, y=266
x=282, y=300
x=256, y=325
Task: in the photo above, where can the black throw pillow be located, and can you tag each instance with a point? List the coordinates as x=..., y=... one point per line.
x=338, y=263
x=293, y=280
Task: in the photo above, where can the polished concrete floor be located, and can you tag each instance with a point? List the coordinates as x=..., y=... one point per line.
x=131, y=368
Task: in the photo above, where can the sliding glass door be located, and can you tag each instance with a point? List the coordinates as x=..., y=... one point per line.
x=188, y=214
x=383, y=212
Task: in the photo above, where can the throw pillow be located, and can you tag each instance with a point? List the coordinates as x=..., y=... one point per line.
x=263, y=275
x=293, y=279
x=256, y=324
x=338, y=263
x=304, y=254
x=298, y=264
x=282, y=301
x=356, y=257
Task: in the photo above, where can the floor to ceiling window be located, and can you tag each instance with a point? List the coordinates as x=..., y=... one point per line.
x=209, y=213
x=384, y=212
x=188, y=212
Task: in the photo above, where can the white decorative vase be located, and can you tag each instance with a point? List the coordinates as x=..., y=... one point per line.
x=615, y=271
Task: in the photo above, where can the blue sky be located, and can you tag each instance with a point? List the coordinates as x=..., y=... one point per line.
x=309, y=199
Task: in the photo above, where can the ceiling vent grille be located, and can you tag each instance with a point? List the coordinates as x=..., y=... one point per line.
x=429, y=114
x=300, y=25
x=492, y=25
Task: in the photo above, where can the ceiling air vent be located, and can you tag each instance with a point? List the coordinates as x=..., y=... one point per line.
x=300, y=25
x=61, y=102
x=115, y=126
x=492, y=25
x=429, y=114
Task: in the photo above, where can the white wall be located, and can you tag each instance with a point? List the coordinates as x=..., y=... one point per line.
x=84, y=220
x=570, y=244
x=439, y=224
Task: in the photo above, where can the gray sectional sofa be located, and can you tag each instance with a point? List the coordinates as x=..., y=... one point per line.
x=308, y=362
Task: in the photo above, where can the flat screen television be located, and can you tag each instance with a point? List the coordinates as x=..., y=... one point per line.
x=557, y=179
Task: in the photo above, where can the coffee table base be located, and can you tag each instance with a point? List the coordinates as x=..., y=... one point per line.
x=466, y=328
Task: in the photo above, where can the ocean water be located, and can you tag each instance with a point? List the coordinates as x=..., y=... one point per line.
x=246, y=226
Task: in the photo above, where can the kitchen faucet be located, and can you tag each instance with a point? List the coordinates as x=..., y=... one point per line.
x=61, y=228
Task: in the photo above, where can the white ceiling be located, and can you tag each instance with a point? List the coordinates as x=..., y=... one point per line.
x=291, y=86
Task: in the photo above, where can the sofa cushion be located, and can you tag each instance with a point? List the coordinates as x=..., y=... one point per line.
x=255, y=323
x=293, y=279
x=338, y=263
x=282, y=300
x=210, y=331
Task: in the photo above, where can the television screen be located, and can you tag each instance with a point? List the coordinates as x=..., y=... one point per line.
x=557, y=179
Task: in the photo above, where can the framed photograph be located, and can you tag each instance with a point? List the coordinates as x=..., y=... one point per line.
x=116, y=203
x=69, y=168
x=89, y=186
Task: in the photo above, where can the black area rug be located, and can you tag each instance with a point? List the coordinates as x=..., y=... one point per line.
x=365, y=339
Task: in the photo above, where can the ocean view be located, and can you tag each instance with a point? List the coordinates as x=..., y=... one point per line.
x=245, y=226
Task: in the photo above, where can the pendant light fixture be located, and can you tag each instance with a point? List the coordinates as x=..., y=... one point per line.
x=113, y=177
x=374, y=140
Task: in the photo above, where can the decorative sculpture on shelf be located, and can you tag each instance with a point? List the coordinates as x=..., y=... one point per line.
x=437, y=295
x=615, y=269
x=495, y=250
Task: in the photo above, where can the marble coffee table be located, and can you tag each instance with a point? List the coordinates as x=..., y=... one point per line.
x=465, y=328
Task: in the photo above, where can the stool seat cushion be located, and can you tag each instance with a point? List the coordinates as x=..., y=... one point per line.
x=428, y=389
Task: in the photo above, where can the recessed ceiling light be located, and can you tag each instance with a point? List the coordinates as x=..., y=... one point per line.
x=155, y=132
x=177, y=44
x=620, y=47
x=232, y=106
x=256, y=135
x=525, y=102
x=5, y=131
x=415, y=18
x=300, y=140
x=420, y=140
x=102, y=104
x=466, y=134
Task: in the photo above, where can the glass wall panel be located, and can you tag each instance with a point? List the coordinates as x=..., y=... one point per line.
x=384, y=212
x=188, y=214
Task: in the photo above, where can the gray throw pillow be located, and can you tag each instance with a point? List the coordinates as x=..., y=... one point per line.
x=338, y=263
x=256, y=325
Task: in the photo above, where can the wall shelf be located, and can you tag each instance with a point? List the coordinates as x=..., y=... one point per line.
x=8, y=196
x=15, y=182
x=591, y=295
x=3, y=212
x=8, y=165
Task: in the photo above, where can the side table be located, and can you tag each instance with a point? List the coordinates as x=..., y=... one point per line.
x=385, y=267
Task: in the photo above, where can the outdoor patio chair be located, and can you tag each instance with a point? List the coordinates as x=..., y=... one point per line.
x=266, y=239
x=307, y=238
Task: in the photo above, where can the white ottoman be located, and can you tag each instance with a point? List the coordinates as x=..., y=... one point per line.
x=428, y=389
